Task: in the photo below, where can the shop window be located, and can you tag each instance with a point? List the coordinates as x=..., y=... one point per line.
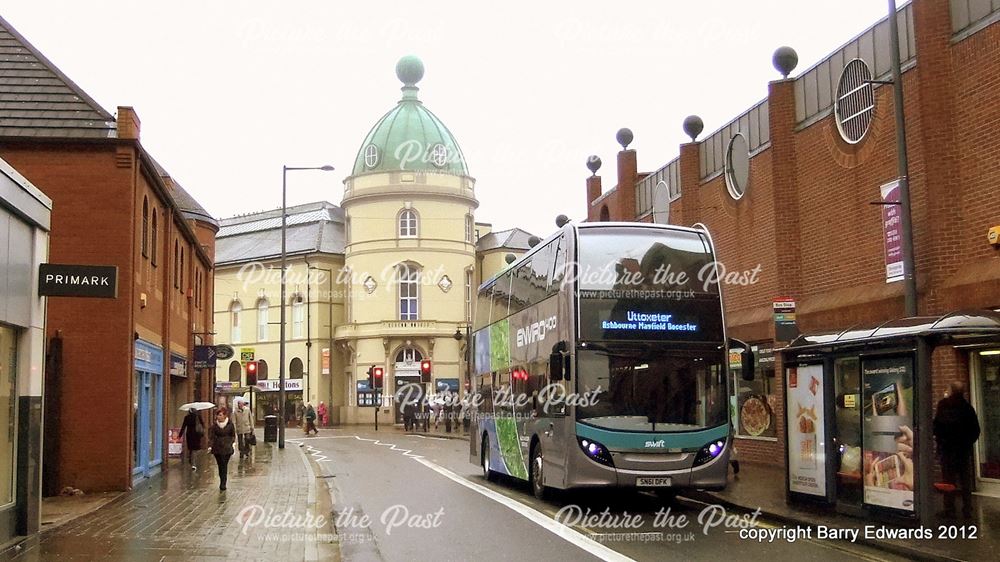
x=753, y=403
x=987, y=402
x=8, y=411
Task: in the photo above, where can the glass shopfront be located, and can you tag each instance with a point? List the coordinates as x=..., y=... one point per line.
x=986, y=399
x=753, y=403
x=147, y=409
x=8, y=412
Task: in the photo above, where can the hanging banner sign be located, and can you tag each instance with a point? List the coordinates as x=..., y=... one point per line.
x=204, y=356
x=892, y=231
x=325, y=363
x=806, y=433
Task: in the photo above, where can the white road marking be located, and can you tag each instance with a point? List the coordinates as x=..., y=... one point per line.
x=571, y=536
x=426, y=437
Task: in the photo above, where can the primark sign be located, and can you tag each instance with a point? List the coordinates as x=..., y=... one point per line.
x=99, y=281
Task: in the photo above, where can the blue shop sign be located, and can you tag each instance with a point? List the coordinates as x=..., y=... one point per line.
x=148, y=357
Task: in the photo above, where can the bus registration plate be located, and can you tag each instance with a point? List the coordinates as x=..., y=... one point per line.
x=653, y=482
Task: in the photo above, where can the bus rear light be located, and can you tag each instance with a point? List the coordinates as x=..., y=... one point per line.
x=595, y=451
x=710, y=451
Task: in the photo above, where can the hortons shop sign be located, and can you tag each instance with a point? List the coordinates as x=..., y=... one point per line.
x=99, y=281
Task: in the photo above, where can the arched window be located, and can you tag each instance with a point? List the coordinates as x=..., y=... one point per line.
x=408, y=277
x=262, y=325
x=468, y=295
x=235, y=309
x=295, y=369
x=605, y=215
x=409, y=355
x=261, y=370
x=235, y=371
x=180, y=287
x=407, y=223
x=145, y=227
x=298, y=316
x=468, y=228
x=177, y=265
x=152, y=246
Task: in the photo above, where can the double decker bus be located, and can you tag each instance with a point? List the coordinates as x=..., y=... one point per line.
x=600, y=358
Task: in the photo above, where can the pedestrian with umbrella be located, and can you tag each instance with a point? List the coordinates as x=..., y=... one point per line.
x=221, y=437
x=193, y=428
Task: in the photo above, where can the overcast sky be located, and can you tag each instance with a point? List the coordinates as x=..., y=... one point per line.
x=228, y=92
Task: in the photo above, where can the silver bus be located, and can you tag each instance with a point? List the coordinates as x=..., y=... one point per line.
x=600, y=358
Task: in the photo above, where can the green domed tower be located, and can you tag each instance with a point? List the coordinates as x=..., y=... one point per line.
x=410, y=137
x=410, y=247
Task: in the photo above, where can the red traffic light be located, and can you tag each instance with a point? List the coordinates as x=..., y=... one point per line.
x=425, y=371
x=377, y=373
x=519, y=375
x=251, y=367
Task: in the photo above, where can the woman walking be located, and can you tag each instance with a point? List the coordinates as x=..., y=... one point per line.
x=194, y=429
x=221, y=437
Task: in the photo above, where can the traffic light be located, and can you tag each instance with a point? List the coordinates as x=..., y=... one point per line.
x=251, y=373
x=425, y=371
x=371, y=381
x=377, y=377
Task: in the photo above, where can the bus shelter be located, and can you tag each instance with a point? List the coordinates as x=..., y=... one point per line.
x=859, y=412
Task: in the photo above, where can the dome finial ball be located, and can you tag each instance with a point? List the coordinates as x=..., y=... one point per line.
x=409, y=70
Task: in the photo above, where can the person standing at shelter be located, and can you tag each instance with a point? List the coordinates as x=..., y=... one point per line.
x=221, y=437
x=244, y=427
x=956, y=429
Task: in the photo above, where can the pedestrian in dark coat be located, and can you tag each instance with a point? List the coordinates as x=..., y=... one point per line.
x=956, y=429
x=221, y=437
x=192, y=430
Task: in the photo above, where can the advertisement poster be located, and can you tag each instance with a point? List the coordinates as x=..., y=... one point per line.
x=175, y=445
x=887, y=402
x=806, y=438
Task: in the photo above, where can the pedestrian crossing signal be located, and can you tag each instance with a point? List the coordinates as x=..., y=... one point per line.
x=425, y=371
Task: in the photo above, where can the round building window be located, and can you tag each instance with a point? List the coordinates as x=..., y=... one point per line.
x=439, y=155
x=737, y=166
x=371, y=156
x=855, y=103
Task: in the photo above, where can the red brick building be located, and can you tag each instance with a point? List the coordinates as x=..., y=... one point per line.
x=794, y=197
x=125, y=362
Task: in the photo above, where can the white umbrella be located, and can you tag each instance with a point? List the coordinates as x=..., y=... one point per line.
x=196, y=406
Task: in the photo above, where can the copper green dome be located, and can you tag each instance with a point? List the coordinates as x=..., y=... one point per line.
x=410, y=137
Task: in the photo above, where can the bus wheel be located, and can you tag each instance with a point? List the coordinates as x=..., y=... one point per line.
x=488, y=473
x=537, y=482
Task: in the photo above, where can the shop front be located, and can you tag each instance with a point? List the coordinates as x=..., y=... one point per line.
x=24, y=225
x=147, y=410
x=985, y=392
x=859, y=411
x=267, y=399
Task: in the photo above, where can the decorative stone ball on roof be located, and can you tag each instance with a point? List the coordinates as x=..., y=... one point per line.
x=409, y=70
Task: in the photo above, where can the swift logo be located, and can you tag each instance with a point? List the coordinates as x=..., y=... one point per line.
x=535, y=332
x=651, y=444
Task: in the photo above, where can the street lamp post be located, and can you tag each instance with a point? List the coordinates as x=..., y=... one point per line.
x=281, y=354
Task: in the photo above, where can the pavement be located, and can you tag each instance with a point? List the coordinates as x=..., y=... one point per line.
x=269, y=512
x=763, y=486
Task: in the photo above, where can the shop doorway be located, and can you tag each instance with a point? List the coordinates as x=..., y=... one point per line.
x=985, y=393
x=147, y=410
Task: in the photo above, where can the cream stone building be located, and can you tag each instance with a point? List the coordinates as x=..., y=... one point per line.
x=387, y=279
